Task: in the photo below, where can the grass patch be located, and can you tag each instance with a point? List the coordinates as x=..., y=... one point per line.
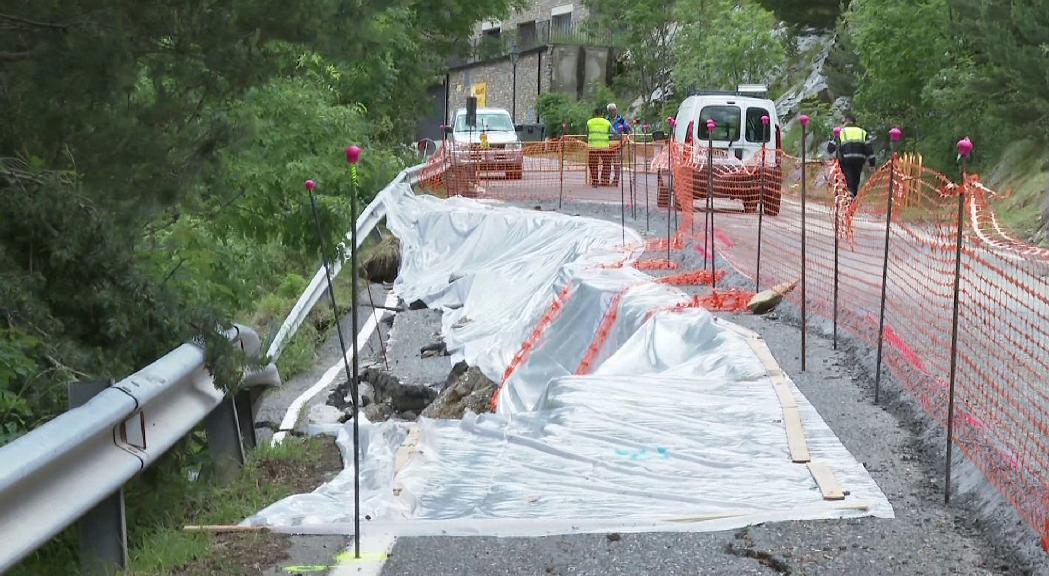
x=1022, y=177
x=165, y=496
x=271, y=473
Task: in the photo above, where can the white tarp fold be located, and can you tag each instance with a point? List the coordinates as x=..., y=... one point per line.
x=626, y=414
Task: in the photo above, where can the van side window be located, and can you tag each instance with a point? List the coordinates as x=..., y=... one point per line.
x=727, y=119
x=755, y=129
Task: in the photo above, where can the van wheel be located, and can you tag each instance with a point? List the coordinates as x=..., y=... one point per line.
x=750, y=206
x=772, y=203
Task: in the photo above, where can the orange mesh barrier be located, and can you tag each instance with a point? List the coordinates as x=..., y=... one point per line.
x=528, y=345
x=1001, y=418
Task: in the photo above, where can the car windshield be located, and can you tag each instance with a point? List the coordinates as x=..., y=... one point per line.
x=727, y=119
x=494, y=122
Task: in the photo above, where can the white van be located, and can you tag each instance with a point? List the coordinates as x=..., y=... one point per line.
x=491, y=146
x=737, y=142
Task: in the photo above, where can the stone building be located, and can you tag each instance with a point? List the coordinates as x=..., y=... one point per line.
x=545, y=47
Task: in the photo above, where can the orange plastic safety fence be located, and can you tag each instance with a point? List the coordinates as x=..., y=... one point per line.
x=603, y=331
x=694, y=278
x=1001, y=419
x=537, y=333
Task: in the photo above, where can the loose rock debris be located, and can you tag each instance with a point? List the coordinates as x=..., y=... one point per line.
x=467, y=389
x=383, y=396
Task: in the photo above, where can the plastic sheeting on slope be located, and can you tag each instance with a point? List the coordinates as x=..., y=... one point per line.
x=676, y=425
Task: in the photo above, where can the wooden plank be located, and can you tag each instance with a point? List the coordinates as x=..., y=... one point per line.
x=407, y=450
x=799, y=448
x=825, y=479
x=786, y=397
x=219, y=528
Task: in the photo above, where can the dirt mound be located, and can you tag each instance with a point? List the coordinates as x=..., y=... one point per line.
x=384, y=261
x=467, y=389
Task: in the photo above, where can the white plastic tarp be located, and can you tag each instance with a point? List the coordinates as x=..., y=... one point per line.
x=675, y=425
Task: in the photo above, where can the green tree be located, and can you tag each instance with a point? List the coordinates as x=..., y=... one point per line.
x=722, y=43
x=151, y=157
x=645, y=29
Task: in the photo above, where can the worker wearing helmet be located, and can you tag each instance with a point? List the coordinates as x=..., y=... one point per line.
x=854, y=149
x=599, y=157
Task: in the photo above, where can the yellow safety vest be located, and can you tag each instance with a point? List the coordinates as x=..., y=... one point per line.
x=853, y=134
x=597, y=130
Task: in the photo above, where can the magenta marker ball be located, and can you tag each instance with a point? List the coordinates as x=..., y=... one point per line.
x=353, y=154
x=837, y=131
x=310, y=185
x=765, y=120
x=965, y=147
x=896, y=134
x=645, y=127
x=711, y=125
x=804, y=119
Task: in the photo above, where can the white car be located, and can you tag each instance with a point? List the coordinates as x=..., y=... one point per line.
x=491, y=146
x=737, y=141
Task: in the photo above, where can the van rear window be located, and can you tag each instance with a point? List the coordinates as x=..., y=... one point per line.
x=755, y=129
x=727, y=119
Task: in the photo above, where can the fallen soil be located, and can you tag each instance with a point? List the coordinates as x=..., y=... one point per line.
x=303, y=476
x=467, y=390
x=239, y=555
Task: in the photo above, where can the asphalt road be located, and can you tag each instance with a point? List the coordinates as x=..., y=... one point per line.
x=925, y=538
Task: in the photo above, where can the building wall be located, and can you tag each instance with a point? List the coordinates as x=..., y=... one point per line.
x=497, y=78
x=538, y=11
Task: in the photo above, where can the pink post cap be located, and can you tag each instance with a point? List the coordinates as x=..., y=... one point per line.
x=310, y=185
x=644, y=127
x=353, y=154
x=765, y=120
x=965, y=147
x=637, y=120
x=837, y=131
x=804, y=119
x=895, y=134
x=711, y=124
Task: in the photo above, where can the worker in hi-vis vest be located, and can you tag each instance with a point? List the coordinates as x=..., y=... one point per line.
x=854, y=149
x=598, y=155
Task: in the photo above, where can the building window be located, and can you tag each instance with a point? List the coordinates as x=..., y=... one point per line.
x=561, y=23
x=527, y=36
x=561, y=19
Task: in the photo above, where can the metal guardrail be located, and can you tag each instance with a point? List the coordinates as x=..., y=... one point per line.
x=54, y=474
x=366, y=222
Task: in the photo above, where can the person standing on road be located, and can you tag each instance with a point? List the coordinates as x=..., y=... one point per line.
x=854, y=149
x=598, y=130
x=619, y=127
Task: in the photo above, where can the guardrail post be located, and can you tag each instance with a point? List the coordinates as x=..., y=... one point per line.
x=224, y=440
x=246, y=418
x=103, y=530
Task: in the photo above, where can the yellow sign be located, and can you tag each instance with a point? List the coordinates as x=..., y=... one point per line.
x=480, y=91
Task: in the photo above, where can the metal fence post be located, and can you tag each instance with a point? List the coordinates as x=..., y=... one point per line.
x=103, y=530
x=894, y=137
x=804, y=119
